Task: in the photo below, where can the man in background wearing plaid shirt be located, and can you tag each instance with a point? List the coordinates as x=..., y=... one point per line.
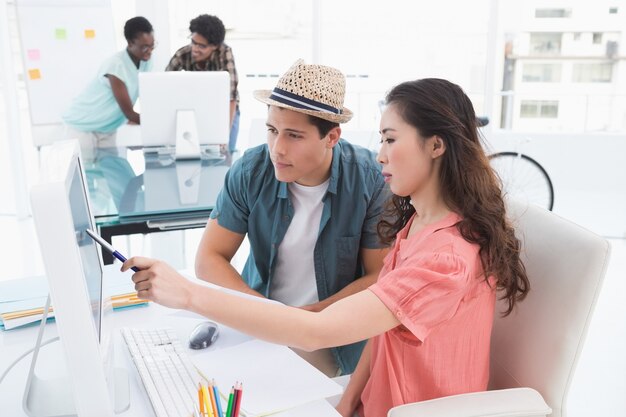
x=208, y=52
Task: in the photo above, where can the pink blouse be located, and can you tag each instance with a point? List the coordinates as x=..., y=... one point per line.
x=433, y=282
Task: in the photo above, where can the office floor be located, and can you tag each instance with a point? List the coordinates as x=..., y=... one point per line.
x=597, y=390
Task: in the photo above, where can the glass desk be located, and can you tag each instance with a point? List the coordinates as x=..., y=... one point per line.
x=167, y=195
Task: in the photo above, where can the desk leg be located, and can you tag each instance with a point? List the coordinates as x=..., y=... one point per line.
x=107, y=234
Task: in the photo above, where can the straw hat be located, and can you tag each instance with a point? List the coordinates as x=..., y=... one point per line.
x=316, y=90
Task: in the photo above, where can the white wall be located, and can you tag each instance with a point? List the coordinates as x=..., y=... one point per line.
x=588, y=173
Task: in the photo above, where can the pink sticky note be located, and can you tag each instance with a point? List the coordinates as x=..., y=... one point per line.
x=33, y=54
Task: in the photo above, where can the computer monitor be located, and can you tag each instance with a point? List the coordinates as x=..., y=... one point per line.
x=185, y=110
x=61, y=213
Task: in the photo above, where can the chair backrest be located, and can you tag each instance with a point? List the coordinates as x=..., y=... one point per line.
x=539, y=343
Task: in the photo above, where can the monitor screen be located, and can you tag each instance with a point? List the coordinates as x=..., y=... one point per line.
x=204, y=93
x=87, y=247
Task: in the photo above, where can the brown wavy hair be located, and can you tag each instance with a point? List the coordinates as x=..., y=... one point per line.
x=469, y=185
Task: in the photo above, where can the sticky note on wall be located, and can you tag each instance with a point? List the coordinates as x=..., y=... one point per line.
x=34, y=74
x=33, y=54
x=90, y=33
x=60, y=33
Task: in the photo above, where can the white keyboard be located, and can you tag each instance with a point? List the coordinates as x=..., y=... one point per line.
x=168, y=375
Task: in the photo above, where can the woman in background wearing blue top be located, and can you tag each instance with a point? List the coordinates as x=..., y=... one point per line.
x=107, y=102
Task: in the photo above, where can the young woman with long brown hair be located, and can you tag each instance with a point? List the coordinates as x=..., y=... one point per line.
x=429, y=315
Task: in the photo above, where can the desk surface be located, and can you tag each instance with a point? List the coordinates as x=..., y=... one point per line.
x=14, y=343
x=159, y=187
x=155, y=193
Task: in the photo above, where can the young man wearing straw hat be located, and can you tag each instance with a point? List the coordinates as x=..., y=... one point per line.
x=309, y=203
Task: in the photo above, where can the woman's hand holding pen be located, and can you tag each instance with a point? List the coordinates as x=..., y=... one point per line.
x=159, y=282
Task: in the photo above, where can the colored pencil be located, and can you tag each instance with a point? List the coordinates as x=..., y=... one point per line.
x=201, y=400
x=229, y=407
x=213, y=402
x=238, y=403
x=235, y=395
x=218, y=402
x=207, y=401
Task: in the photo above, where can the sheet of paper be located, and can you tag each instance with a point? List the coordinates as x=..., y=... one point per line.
x=22, y=305
x=23, y=321
x=24, y=289
x=274, y=378
x=314, y=409
x=30, y=293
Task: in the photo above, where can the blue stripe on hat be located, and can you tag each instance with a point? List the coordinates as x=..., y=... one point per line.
x=294, y=100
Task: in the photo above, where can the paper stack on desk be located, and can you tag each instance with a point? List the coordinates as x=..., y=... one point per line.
x=274, y=378
x=22, y=300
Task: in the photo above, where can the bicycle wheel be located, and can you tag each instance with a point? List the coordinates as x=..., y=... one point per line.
x=523, y=178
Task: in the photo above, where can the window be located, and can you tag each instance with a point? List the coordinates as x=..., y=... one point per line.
x=541, y=73
x=545, y=43
x=613, y=10
x=599, y=72
x=558, y=13
x=597, y=38
x=612, y=48
x=539, y=109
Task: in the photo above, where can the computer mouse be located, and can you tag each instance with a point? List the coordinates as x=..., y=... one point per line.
x=203, y=335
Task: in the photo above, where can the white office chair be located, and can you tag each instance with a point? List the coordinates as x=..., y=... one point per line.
x=535, y=350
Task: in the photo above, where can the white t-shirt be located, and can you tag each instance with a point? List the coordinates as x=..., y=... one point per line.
x=293, y=282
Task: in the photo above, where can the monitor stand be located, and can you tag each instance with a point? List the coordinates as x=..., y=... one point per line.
x=187, y=143
x=54, y=397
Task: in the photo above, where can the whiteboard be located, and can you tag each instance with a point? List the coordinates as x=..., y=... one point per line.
x=63, y=43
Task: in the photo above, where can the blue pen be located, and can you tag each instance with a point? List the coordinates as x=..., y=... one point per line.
x=109, y=248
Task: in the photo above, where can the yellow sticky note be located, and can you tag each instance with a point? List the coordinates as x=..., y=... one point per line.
x=60, y=33
x=90, y=33
x=34, y=74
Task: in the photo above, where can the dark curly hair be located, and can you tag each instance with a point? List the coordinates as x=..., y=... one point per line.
x=469, y=185
x=210, y=27
x=135, y=26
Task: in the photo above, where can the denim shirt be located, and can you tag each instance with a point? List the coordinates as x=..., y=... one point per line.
x=254, y=202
